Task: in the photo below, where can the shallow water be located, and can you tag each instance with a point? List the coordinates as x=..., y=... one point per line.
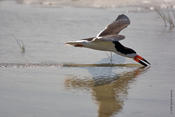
x=99, y=3
x=36, y=82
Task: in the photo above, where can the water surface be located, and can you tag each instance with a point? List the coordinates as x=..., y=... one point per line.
x=36, y=82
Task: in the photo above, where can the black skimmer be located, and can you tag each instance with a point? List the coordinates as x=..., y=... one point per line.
x=108, y=40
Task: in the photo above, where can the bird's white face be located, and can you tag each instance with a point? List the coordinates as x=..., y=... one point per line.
x=131, y=55
x=125, y=55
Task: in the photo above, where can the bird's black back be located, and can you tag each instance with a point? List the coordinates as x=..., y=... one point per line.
x=122, y=49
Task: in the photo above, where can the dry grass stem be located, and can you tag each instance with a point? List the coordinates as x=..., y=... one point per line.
x=167, y=15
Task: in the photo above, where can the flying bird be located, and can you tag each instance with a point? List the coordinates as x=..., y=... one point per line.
x=108, y=40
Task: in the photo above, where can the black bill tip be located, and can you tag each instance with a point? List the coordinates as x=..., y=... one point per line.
x=141, y=60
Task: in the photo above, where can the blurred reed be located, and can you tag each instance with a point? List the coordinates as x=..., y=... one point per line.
x=167, y=14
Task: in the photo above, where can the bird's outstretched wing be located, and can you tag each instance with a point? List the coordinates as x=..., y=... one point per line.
x=116, y=26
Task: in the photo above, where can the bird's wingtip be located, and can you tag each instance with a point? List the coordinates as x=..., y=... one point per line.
x=74, y=43
x=69, y=43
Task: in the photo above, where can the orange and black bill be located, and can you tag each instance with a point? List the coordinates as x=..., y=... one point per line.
x=141, y=60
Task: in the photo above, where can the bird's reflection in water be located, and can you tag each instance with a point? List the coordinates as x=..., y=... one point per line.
x=109, y=93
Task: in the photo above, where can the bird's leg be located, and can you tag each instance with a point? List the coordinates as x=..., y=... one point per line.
x=111, y=58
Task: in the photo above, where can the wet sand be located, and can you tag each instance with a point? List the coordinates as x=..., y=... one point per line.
x=50, y=78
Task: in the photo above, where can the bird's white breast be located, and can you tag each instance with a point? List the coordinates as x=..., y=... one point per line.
x=101, y=45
